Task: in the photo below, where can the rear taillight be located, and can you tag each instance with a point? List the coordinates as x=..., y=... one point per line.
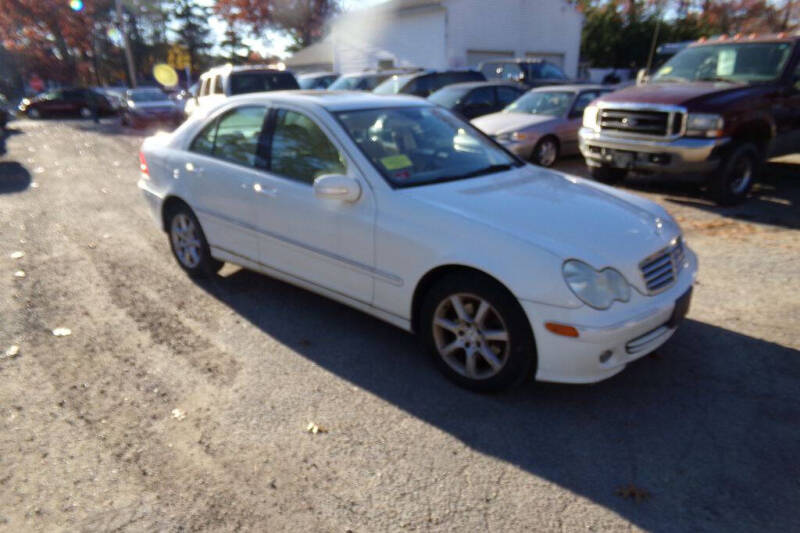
x=143, y=164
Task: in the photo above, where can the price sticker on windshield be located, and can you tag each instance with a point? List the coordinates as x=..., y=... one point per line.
x=396, y=162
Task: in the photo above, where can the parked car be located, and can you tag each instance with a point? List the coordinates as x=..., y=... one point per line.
x=4, y=112
x=426, y=82
x=317, y=81
x=222, y=82
x=363, y=81
x=531, y=72
x=66, y=102
x=398, y=208
x=145, y=106
x=543, y=124
x=716, y=111
x=474, y=99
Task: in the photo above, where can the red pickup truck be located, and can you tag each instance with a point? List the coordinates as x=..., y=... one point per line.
x=716, y=110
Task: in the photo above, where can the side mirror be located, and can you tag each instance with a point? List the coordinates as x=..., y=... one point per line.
x=337, y=187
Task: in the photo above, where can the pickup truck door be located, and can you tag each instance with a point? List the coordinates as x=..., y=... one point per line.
x=787, y=117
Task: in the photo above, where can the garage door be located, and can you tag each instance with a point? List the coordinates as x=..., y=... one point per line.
x=474, y=57
x=553, y=57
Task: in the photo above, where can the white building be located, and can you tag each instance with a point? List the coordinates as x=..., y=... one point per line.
x=443, y=34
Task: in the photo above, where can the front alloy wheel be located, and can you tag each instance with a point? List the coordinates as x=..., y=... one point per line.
x=477, y=332
x=545, y=152
x=471, y=336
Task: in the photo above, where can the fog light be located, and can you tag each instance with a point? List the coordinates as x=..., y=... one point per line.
x=605, y=356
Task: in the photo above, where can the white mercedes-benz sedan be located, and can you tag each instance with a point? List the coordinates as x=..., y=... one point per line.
x=400, y=209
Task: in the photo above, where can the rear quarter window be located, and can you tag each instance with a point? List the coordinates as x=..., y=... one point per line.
x=255, y=82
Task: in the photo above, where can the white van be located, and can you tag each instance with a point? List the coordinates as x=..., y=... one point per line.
x=221, y=82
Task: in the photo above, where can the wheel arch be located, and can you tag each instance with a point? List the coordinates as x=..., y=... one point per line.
x=168, y=205
x=758, y=131
x=433, y=276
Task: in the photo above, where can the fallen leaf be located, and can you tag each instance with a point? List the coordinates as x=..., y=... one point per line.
x=92, y=246
x=19, y=274
x=17, y=255
x=633, y=492
x=314, y=428
x=12, y=351
x=62, y=332
x=178, y=414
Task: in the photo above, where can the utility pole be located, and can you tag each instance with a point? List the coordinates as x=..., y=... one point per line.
x=655, y=39
x=126, y=43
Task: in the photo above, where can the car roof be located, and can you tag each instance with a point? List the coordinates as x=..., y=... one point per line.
x=575, y=88
x=751, y=38
x=231, y=69
x=331, y=100
x=469, y=85
x=308, y=75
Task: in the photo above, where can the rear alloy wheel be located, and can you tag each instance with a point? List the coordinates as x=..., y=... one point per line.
x=737, y=175
x=189, y=245
x=477, y=333
x=85, y=112
x=545, y=152
x=608, y=175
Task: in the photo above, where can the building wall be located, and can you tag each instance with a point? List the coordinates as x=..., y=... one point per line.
x=479, y=29
x=412, y=37
x=458, y=34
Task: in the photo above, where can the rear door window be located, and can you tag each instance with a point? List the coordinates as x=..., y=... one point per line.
x=235, y=137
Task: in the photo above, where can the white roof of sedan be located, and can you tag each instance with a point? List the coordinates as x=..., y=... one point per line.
x=334, y=100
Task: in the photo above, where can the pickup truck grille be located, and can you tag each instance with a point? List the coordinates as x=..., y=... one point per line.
x=661, y=269
x=637, y=123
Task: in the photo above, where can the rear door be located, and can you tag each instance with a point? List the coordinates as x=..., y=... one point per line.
x=506, y=95
x=324, y=242
x=478, y=102
x=219, y=170
x=786, y=110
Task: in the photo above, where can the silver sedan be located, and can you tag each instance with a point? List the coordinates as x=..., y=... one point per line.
x=543, y=123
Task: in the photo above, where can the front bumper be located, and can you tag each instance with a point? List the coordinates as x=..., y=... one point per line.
x=623, y=333
x=522, y=149
x=679, y=156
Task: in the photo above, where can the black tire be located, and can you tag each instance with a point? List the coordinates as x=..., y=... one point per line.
x=518, y=356
x=737, y=175
x=608, y=175
x=205, y=266
x=543, y=159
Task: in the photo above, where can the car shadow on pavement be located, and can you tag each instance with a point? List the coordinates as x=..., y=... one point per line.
x=115, y=127
x=13, y=177
x=702, y=436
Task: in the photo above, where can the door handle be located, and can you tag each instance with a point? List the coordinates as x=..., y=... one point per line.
x=258, y=189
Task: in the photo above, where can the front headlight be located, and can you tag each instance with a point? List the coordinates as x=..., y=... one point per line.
x=590, y=117
x=515, y=136
x=704, y=125
x=598, y=289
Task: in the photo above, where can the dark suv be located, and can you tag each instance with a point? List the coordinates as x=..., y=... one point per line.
x=426, y=82
x=716, y=110
x=67, y=102
x=531, y=72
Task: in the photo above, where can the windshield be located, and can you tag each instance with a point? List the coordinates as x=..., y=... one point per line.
x=153, y=95
x=545, y=70
x=448, y=97
x=393, y=85
x=256, y=82
x=731, y=61
x=550, y=103
x=423, y=145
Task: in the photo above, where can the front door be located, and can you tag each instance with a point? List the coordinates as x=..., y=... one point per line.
x=327, y=243
x=219, y=172
x=786, y=105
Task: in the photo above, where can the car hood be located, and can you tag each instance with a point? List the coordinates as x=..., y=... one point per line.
x=498, y=123
x=565, y=215
x=673, y=93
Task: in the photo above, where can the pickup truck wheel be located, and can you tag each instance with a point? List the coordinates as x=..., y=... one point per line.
x=609, y=175
x=736, y=176
x=477, y=333
x=189, y=245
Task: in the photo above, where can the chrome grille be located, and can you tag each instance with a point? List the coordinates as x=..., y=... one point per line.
x=661, y=269
x=640, y=122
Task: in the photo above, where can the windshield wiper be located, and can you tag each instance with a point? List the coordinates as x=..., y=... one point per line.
x=715, y=78
x=491, y=169
x=671, y=79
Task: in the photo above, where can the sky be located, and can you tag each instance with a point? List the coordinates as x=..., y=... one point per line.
x=274, y=43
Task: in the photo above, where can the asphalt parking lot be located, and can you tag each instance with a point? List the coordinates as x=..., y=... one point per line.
x=174, y=405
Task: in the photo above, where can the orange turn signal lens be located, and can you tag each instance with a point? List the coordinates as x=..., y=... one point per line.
x=561, y=329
